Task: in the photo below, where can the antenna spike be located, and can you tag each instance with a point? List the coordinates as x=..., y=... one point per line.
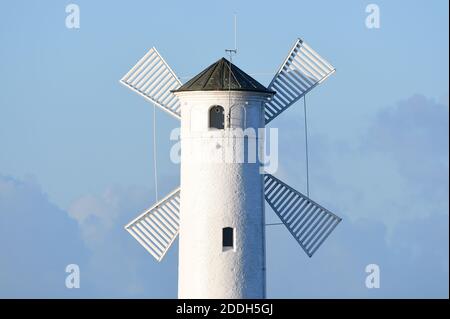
x=235, y=33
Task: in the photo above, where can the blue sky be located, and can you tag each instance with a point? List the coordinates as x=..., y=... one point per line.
x=76, y=146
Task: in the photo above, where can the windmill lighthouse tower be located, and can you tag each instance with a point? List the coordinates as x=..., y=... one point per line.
x=218, y=210
x=223, y=195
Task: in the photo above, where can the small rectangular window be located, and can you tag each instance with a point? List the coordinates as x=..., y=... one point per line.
x=227, y=238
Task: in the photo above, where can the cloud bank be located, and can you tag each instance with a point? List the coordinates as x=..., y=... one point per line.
x=391, y=187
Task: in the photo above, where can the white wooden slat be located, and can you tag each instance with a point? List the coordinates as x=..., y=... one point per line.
x=150, y=238
x=166, y=94
x=153, y=79
x=156, y=90
x=144, y=72
x=145, y=59
x=152, y=64
x=323, y=69
x=157, y=225
x=153, y=227
x=317, y=56
x=148, y=244
x=307, y=221
x=154, y=82
x=148, y=75
x=157, y=228
x=301, y=71
x=142, y=242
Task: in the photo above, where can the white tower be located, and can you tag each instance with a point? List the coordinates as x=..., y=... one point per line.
x=219, y=208
x=224, y=257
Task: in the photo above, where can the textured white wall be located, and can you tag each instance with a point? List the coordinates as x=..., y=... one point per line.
x=217, y=194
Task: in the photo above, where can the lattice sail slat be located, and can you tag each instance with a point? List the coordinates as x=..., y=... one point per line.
x=153, y=79
x=157, y=228
x=301, y=71
x=307, y=221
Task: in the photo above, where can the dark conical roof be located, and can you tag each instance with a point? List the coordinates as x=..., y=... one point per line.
x=216, y=77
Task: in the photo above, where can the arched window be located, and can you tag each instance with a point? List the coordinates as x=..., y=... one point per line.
x=216, y=117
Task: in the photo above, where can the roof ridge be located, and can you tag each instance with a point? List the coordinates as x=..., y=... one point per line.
x=230, y=66
x=212, y=72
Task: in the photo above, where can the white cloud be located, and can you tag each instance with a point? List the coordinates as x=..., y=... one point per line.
x=118, y=265
x=39, y=240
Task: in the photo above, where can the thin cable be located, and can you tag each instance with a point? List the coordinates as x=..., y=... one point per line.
x=155, y=167
x=274, y=224
x=229, y=91
x=230, y=72
x=306, y=146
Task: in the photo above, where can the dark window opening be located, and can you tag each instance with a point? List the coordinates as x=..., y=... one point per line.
x=227, y=237
x=216, y=117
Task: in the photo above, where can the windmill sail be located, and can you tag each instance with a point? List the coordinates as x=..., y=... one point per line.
x=302, y=70
x=153, y=79
x=157, y=228
x=307, y=221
